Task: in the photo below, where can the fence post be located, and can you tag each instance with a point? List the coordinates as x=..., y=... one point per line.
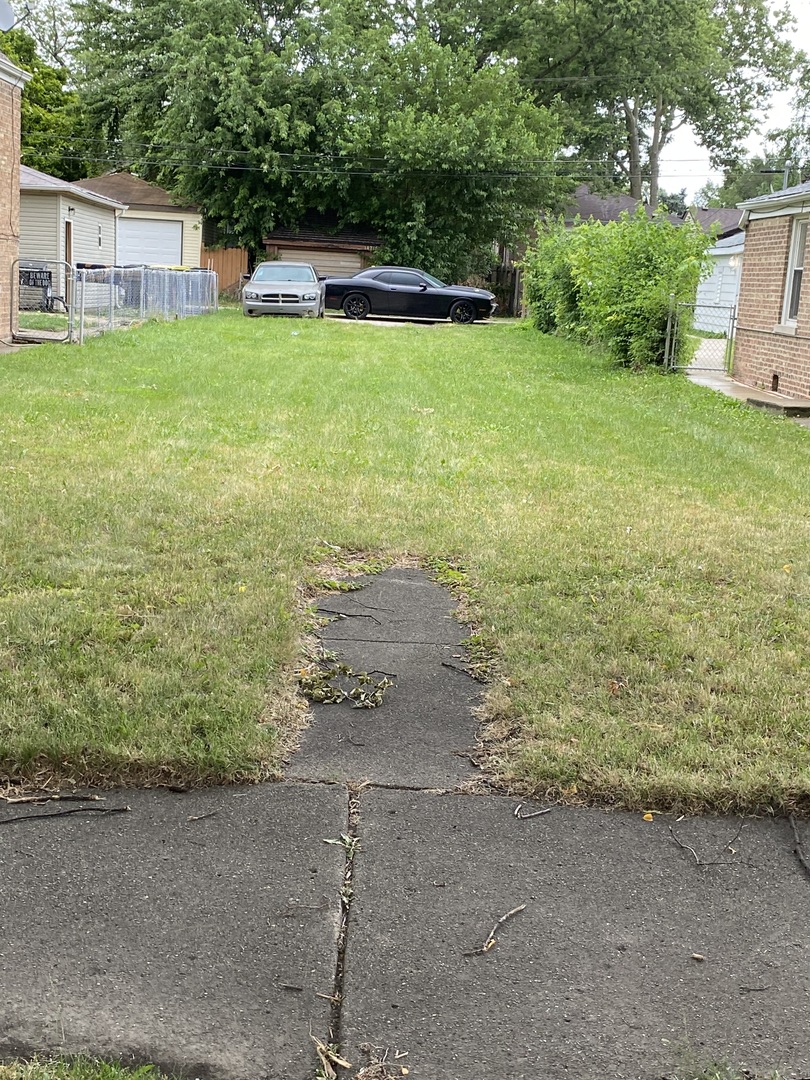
x=82, y=274
x=112, y=301
x=71, y=305
x=668, y=365
x=728, y=359
x=142, y=298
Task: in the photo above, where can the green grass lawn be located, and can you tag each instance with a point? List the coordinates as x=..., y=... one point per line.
x=94, y=1069
x=77, y=1068
x=636, y=550
x=43, y=320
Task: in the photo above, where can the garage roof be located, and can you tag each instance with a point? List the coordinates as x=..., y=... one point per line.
x=34, y=180
x=136, y=193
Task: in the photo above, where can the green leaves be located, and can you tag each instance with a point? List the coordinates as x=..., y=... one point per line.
x=612, y=283
x=52, y=120
x=337, y=109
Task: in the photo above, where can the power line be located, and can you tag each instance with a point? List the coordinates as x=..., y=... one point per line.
x=336, y=173
x=320, y=154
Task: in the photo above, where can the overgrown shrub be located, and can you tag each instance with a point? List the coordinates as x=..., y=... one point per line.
x=613, y=282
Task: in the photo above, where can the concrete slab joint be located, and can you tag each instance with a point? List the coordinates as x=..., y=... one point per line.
x=367, y=909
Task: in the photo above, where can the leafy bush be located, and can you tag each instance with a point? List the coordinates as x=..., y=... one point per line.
x=613, y=282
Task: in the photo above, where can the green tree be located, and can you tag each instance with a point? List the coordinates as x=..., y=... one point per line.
x=308, y=108
x=674, y=202
x=629, y=73
x=638, y=72
x=52, y=119
x=748, y=178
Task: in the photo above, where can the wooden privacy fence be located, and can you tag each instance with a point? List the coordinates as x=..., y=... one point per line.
x=228, y=264
x=506, y=283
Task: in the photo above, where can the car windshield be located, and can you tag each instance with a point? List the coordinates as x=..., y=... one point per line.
x=283, y=272
x=434, y=281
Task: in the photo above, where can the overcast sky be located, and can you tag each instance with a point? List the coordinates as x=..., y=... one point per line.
x=685, y=164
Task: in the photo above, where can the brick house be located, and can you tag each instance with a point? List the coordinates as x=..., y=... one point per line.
x=772, y=348
x=12, y=81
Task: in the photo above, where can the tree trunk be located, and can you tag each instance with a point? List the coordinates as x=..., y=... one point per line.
x=631, y=117
x=655, y=152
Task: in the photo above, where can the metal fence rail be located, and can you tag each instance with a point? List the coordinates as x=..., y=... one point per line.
x=112, y=297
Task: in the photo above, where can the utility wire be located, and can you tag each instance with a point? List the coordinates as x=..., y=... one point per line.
x=334, y=154
x=392, y=173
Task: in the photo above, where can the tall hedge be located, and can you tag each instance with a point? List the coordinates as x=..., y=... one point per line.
x=611, y=283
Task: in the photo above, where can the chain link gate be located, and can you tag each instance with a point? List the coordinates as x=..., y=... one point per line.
x=42, y=300
x=709, y=329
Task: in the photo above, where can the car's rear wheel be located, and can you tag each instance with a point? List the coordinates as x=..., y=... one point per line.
x=356, y=306
x=462, y=312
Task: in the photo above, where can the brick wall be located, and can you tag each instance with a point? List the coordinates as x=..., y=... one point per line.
x=760, y=352
x=9, y=196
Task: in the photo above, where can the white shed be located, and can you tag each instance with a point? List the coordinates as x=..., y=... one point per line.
x=721, y=290
x=153, y=229
x=64, y=223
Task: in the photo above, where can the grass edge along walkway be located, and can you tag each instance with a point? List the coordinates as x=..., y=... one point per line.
x=636, y=548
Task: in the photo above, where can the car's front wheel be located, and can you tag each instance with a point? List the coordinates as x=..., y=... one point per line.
x=462, y=312
x=356, y=306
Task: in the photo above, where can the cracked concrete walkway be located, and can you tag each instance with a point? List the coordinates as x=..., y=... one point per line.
x=206, y=931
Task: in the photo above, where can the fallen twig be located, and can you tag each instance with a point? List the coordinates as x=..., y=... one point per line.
x=754, y=989
x=518, y=812
x=798, y=847
x=711, y=862
x=368, y=607
x=464, y=671
x=491, y=936
x=42, y=799
x=200, y=817
x=64, y=813
x=346, y=614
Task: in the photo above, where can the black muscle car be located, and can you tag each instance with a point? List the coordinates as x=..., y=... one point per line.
x=408, y=293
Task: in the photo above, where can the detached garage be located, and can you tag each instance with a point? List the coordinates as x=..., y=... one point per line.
x=334, y=252
x=143, y=241
x=152, y=230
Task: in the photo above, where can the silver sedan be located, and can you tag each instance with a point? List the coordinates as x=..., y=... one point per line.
x=284, y=288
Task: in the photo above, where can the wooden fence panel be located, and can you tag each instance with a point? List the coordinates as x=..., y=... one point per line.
x=229, y=264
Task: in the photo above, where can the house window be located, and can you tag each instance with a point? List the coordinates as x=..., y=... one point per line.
x=793, y=286
x=99, y=237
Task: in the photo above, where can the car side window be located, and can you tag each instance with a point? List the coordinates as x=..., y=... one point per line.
x=399, y=278
x=385, y=277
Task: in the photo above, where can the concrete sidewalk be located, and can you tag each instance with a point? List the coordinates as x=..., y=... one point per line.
x=215, y=932
x=795, y=408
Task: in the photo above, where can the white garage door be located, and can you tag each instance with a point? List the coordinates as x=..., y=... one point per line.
x=326, y=263
x=143, y=241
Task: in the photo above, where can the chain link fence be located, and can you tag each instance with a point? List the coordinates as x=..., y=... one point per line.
x=112, y=297
x=41, y=298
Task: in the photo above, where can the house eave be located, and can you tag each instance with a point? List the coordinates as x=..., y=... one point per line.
x=73, y=193
x=776, y=204
x=10, y=73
